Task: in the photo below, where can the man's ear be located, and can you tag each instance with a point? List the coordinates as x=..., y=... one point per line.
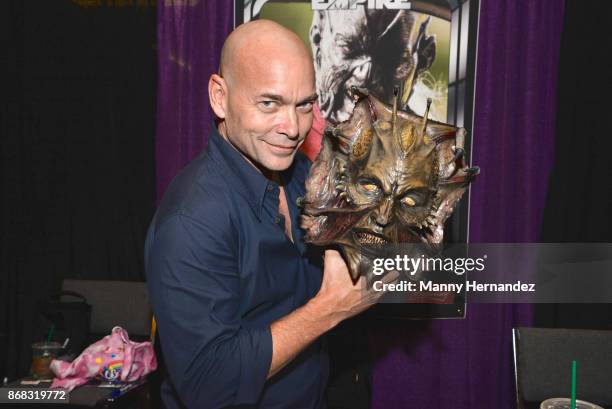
x=217, y=95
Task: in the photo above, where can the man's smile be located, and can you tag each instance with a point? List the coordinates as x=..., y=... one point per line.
x=281, y=149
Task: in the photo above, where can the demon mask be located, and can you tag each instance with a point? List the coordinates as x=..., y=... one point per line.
x=384, y=176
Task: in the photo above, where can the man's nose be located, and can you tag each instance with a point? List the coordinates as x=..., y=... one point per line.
x=290, y=125
x=382, y=214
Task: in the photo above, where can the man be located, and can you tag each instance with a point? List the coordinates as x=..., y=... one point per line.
x=239, y=298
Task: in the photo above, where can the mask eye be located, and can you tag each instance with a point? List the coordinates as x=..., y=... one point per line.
x=414, y=198
x=369, y=187
x=408, y=201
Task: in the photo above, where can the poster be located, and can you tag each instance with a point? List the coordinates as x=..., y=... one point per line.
x=380, y=44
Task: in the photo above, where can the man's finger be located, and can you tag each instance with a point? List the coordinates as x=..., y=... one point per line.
x=389, y=278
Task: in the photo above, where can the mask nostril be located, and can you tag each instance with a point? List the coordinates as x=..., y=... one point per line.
x=379, y=221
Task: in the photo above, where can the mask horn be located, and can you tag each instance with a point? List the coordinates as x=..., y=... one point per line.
x=394, y=112
x=425, y=117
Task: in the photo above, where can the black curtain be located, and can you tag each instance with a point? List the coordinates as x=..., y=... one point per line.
x=77, y=171
x=579, y=204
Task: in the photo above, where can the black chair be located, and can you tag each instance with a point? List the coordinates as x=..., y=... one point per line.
x=122, y=303
x=543, y=361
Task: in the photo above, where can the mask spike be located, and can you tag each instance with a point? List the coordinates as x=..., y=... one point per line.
x=394, y=112
x=426, y=117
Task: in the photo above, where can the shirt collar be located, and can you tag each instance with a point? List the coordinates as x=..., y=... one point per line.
x=240, y=173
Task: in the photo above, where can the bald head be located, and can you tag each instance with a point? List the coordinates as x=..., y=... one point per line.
x=258, y=43
x=264, y=93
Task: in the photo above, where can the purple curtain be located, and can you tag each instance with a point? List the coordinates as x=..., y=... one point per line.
x=190, y=34
x=444, y=364
x=468, y=363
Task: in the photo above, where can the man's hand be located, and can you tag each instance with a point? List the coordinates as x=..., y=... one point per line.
x=338, y=299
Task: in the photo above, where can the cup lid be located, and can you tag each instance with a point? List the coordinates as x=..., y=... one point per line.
x=565, y=403
x=47, y=345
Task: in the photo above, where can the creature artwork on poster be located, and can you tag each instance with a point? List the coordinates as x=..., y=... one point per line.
x=383, y=177
x=370, y=49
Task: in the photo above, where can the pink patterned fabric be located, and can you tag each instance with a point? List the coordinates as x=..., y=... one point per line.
x=113, y=358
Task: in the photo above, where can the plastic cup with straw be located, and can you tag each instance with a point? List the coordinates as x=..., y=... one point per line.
x=42, y=355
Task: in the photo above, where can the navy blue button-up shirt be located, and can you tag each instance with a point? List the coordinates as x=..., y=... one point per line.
x=220, y=270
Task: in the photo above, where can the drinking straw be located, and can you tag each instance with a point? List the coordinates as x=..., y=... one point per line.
x=50, y=334
x=573, y=406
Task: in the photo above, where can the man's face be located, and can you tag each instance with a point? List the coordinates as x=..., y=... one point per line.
x=269, y=109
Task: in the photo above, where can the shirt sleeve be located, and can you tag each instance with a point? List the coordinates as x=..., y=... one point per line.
x=193, y=278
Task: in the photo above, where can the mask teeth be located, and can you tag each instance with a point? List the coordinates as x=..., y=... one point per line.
x=371, y=240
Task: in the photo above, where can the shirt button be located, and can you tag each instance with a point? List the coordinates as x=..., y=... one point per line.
x=277, y=219
x=299, y=201
x=270, y=187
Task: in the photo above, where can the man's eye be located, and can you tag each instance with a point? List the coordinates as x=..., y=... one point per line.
x=267, y=104
x=306, y=107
